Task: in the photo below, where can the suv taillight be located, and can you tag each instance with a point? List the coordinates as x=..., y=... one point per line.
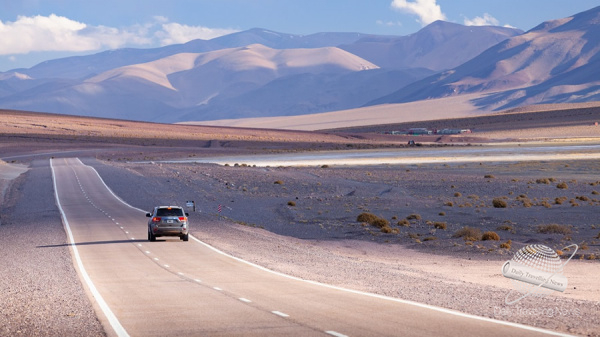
x=156, y=219
x=182, y=218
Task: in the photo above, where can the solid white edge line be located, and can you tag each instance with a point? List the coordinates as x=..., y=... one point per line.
x=383, y=297
x=112, y=319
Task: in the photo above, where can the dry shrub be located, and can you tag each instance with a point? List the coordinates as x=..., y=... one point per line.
x=554, y=229
x=404, y=223
x=546, y=204
x=468, y=233
x=449, y=204
x=562, y=186
x=543, y=181
x=278, y=182
x=560, y=200
x=582, y=198
x=499, y=203
x=380, y=223
x=598, y=236
x=440, y=225
x=595, y=192
x=413, y=217
x=506, y=244
x=386, y=229
x=489, y=176
x=291, y=203
x=373, y=220
x=505, y=228
x=366, y=217
x=458, y=194
x=490, y=236
x=430, y=238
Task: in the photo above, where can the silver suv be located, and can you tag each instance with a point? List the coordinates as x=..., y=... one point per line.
x=168, y=221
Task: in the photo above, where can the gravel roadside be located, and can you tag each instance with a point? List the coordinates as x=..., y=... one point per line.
x=40, y=291
x=327, y=255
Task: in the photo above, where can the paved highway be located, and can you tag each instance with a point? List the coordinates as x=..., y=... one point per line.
x=176, y=288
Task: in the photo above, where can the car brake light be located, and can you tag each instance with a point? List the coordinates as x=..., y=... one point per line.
x=156, y=219
x=182, y=218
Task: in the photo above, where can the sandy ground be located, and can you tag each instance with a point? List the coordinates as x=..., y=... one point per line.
x=307, y=224
x=460, y=106
x=40, y=291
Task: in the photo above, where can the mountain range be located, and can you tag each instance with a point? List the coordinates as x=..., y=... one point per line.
x=259, y=72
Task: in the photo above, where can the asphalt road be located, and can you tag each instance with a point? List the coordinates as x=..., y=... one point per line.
x=175, y=288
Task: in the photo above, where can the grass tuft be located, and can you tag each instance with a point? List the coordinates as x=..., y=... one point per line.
x=440, y=225
x=468, y=233
x=506, y=244
x=490, y=236
x=499, y=203
x=554, y=229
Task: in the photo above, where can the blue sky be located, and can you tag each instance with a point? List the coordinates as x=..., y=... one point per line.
x=32, y=31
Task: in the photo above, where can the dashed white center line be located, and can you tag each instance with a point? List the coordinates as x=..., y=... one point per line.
x=156, y=259
x=281, y=314
x=197, y=280
x=180, y=273
x=245, y=300
x=336, y=334
x=217, y=289
x=147, y=252
x=167, y=266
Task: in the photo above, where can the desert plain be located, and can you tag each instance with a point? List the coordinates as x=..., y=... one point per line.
x=429, y=244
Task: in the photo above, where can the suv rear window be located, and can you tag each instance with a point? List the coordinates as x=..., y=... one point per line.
x=169, y=212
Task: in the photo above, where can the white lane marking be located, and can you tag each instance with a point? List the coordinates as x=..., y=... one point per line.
x=112, y=319
x=197, y=280
x=281, y=314
x=180, y=273
x=147, y=252
x=167, y=266
x=336, y=334
x=139, y=244
x=383, y=297
x=156, y=259
x=217, y=289
x=245, y=300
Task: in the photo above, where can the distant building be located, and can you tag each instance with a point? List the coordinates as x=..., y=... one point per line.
x=419, y=131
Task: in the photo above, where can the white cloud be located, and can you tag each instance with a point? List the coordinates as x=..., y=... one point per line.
x=389, y=23
x=172, y=33
x=485, y=20
x=428, y=11
x=58, y=33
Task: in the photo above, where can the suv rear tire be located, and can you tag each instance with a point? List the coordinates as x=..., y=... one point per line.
x=185, y=237
x=151, y=236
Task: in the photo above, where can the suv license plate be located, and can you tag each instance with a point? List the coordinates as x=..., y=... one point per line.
x=169, y=221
